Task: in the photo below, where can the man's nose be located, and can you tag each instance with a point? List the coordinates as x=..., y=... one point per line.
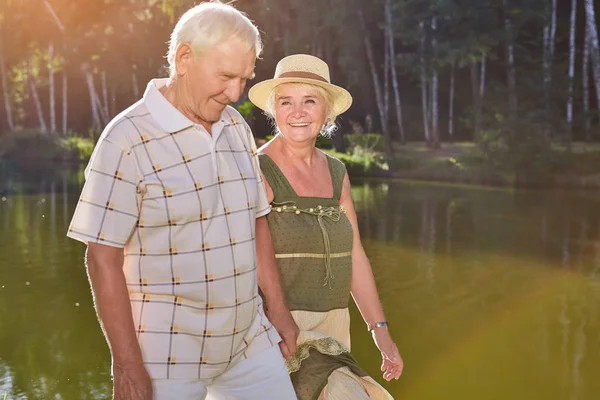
x=234, y=90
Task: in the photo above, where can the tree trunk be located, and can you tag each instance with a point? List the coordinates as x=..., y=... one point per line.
x=374, y=75
x=3, y=80
x=134, y=81
x=388, y=16
x=65, y=128
x=548, y=61
x=105, y=107
x=386, y=79
x=482, y=75
x=61, y=27
x=113, y=101
x=434, y=88
x=424, y=85
x=585, y=79
x=571, y=73
x=51, y=89
x=594, y=50
x=476, y=99
x=89, y=78
x=510, y=63
x=451, y=106
x=36, y=99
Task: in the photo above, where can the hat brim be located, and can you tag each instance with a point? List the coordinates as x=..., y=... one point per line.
x=259, y=93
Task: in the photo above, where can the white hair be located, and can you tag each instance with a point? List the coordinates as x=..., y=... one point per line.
x=209, y=23
x=330, y=126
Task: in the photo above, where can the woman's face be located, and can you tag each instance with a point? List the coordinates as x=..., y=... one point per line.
x=300, y=112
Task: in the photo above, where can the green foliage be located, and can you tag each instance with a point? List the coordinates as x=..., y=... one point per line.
x=372, y=142
x=520, y=150
x=323, y=142
x=247, y=110
x=78, y=146
x=35, y=147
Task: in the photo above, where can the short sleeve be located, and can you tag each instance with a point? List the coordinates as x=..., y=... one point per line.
x=262, y=207
x=107, y=211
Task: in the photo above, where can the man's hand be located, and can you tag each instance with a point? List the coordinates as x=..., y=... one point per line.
x=282, y=320
x=131, y=382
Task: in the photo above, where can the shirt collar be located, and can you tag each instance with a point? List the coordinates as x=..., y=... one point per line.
x=168, y=117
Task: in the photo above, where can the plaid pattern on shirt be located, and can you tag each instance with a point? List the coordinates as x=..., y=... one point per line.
x=183, y=205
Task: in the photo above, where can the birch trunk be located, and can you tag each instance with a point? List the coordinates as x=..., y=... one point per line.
x=571, y=72
x=65, y=102
x=585, y=74
x=61, y=27
x=434, y=88
x=424, y=85
x=105, y=107
x=113, y=100
x=510, y=63
x=89, y=78
x=374, y=75
x=36, y=99
x=549, y=35
x=134, y=82
x=5, y=96
x=593, y=41
x=388, y=16
x=52, y=106
x=451, y=106
x=482, y=76
x=386, y=79
x=475, y=90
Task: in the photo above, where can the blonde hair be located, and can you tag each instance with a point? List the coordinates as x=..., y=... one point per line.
x=330, y=126
x=209, y=23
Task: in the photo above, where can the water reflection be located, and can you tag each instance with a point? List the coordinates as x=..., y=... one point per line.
x=494, y=292
x=50, y=343
x=491, y=294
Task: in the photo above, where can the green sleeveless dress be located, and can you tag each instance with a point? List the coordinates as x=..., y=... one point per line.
x=312, y=238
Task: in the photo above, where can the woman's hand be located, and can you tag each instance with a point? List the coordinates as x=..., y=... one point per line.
x=392, y=364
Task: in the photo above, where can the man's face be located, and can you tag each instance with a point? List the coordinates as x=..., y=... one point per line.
x=216, y=78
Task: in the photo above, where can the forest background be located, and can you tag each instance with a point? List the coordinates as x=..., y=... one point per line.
x=498, y=92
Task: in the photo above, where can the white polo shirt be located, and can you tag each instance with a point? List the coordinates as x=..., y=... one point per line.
x=183, y=205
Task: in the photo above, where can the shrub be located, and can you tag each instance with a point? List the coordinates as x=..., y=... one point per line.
x=368, y=141
x=33, y=146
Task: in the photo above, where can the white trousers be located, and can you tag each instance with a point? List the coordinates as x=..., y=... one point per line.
x=260, y=377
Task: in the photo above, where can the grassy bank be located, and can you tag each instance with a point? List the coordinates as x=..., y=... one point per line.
x=454, y=162
x=33, y=148
x=464, y=163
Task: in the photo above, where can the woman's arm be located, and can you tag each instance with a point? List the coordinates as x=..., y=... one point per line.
x=364, y=292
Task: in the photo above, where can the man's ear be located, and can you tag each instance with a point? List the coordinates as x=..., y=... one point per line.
x=183, y=58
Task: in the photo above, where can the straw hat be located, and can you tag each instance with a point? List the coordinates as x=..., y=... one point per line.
x=301, y=68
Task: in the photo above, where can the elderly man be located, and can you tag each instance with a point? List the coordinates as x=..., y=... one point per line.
x=172, y=212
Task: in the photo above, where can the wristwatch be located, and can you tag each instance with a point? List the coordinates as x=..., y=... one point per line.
x=379, y=324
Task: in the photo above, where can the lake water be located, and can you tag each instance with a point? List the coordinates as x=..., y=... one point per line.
x=490, y=294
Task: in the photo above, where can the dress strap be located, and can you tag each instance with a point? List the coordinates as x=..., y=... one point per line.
x=277, y=180
x=338, y=171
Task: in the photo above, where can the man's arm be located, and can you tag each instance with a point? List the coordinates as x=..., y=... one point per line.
x=269, y=283
x=111, y=298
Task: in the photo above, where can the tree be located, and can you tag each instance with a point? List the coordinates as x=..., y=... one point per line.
x=392, y=55
x=590, y=14
x=571, y=72
x=378, y=95
x=510, y=61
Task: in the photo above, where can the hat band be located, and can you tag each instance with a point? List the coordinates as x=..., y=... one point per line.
x=303, y=74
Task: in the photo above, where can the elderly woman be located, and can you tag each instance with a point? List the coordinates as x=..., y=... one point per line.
x=315, y=235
